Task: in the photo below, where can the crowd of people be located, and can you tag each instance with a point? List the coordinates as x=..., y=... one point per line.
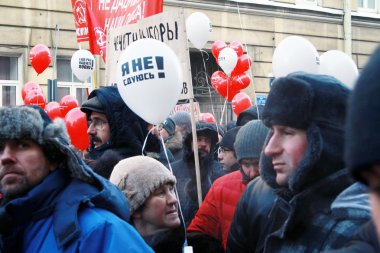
x=301, y=174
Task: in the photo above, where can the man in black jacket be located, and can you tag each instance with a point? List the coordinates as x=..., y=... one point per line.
x=116, y=132
x=184, y=169
x=317, y=206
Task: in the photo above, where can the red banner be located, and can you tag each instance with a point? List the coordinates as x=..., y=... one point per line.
x=97, y=37
x=112, y=13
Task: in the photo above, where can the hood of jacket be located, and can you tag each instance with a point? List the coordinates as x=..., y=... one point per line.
x=128, y=130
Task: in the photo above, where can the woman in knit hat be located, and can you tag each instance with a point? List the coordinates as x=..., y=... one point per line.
x=149, y=187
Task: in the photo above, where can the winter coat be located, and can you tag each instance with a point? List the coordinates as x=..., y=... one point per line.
x=251, y=217
x=215, y=215
x=171, y=241
x=365, y=240
x=62, y=214
x=128, y=130
x=322, y=217
x=184, y=171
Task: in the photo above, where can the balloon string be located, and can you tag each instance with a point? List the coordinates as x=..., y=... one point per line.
x=250, y=67
x=175, y=186
x=146, y=139
x=209, y=90
x=224, y=107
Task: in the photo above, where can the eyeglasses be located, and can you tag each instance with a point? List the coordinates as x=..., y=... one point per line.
x=98, y=124
x=221, y=150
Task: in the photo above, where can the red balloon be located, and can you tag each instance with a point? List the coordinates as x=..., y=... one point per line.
x=231, y=93
x=76, y=124
x=35, y=98
x=53, y=110
x=207, y=117
x=30, y=86
x=67, y=103
x=40, y=57
x=237, y=46
x=219, y=82
x=224, y=87
x=241, y=81
x=241, y=102
x=216, y=47
x=243, y=64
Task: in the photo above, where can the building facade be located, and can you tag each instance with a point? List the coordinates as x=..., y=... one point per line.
x=352, y=26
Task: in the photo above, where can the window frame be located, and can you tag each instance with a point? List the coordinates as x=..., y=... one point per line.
x=13, y=83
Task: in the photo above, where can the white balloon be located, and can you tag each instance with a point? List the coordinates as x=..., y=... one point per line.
x=338, y=64
x=82, y=64
x=150, y=79
x=293, y=54
x=227, y=60
x=198, y=28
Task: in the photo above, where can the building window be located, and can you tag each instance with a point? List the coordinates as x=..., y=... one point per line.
x=367, y=5
x=10, y=91
x=68, y=84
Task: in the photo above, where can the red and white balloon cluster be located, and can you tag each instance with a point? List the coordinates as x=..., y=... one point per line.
x=67, y=109
x=229, y=82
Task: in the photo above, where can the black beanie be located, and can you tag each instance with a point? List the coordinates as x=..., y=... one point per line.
x=229, y=138
x=363, y=119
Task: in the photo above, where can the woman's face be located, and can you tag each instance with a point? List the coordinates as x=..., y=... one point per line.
x=160, y=211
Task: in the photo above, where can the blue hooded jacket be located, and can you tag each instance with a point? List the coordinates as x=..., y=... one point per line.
x=64, y=214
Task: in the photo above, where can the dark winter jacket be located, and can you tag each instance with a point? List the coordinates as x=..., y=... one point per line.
x=251, y=217
x=365, y=240
x=171, y=241
x=184, y=171
x=307, y=215
x=128, y=130
x=64, y=214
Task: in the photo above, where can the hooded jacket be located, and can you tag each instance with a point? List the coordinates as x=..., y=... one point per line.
x=184, y=171
x=302, y=218
x=128, y=130
x=72, y=209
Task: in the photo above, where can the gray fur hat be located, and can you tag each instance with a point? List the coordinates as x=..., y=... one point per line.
x=32, y=122
x=138, y=177
x=250, y=140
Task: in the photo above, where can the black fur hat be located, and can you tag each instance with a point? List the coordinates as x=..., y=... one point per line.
x=317, y=104
x=363, y=119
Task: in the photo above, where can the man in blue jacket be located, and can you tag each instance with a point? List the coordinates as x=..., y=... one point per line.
x=50, y=200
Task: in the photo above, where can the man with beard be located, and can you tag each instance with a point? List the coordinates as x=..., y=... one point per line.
x=116, y=132
x=184, y=169
x=51, y=200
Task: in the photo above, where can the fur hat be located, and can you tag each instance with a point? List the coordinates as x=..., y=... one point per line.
x=138, y=177
x=250, y=140
x=363, y=119
x=317, y=104
x=169, y=126
x=182, y=119
x=32, y=122
x=229, y=138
